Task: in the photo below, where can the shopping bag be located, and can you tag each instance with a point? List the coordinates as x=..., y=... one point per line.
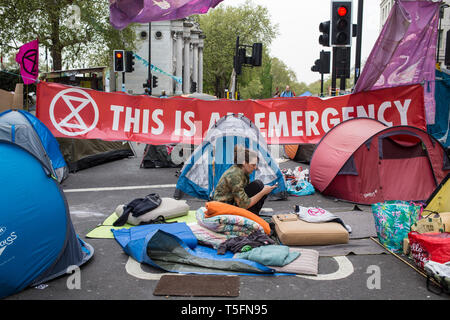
x=429, y=247
x=432, y=222
x=393, y=220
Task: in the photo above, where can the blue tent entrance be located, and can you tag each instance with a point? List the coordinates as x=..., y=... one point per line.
x=202, y=171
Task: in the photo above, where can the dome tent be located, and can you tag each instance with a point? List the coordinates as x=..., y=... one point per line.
x=37, y=239
x=364, y=161
x=202, y=170
x=24, y=129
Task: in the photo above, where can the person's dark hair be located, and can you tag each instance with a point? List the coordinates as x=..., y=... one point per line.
x=242, y=154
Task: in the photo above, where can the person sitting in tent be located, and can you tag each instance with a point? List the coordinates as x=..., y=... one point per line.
x=234, y=185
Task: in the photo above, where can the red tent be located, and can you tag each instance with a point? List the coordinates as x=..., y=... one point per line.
x=364, y=161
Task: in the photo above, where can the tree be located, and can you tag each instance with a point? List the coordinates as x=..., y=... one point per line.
x=77, y=33
x=221, y=26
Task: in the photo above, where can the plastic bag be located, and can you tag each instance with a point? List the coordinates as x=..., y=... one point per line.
x=393, y=220
x=299, y=187
x=429, y=246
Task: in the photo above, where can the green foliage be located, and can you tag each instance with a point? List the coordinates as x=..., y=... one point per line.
x=88, y=42
x=221, y=26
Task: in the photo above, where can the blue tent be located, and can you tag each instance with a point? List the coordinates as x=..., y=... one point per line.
x=24, y=129
x=37, y=239
x=305, y=94
x=440, y=129
x=202, y=170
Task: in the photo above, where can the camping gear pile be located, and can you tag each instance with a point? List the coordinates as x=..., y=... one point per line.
x=297, y=182
x=421, y=231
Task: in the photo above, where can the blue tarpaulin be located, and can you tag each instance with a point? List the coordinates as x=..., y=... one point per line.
x=173, y=247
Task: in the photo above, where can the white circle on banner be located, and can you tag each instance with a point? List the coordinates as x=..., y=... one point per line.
x=75, y=112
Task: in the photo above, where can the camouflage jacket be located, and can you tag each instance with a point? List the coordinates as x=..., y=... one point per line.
x=230, y=188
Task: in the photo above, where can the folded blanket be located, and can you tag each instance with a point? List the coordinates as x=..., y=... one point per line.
x=228, y=224
x=216, y=208
x=270, y=255
x=208, y=237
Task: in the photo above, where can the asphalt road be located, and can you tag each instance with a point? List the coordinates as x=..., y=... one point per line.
x=109, y=275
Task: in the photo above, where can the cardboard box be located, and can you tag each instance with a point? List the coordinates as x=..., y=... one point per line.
x=11, y=100
x=406, y=247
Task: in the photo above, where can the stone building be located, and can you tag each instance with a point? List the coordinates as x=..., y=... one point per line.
x=176, y=49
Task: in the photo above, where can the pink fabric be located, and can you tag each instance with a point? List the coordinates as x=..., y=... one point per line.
x=28, y=59
x=405, y=51
x=124, y=12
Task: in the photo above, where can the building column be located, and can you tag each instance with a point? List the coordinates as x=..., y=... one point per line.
x=179, y=62
x=200, y=69
x=187, y=66
x=195, y=65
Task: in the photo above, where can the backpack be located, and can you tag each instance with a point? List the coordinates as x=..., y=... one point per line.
x=138, y=207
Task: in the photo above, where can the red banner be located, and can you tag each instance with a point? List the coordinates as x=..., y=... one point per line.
x=89, y=114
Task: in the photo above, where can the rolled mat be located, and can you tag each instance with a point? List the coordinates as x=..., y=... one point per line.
x=215, y=208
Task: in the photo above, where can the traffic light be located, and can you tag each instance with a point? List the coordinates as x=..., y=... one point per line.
x=119, y=61
x=146, y=84
x=316, y=66
x=341, y=23
x=322, y=65
x=257, y=54
x=239, y=60
x=154, y=81
x=343, y=62
x=324, y=38
x=129, y=61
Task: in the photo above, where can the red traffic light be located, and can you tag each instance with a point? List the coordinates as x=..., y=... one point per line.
x=342, y=11
x=118, y=55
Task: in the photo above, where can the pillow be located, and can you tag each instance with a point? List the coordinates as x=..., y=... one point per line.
x=216, y=208
x=228, y=224
x=169, y=208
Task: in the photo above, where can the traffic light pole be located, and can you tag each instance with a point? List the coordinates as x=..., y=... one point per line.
x=123, y=81
x=321, y=84
x=333, y=73
x=358, y=41
x=149, y=81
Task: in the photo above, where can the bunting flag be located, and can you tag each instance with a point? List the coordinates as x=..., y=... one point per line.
x=405, y=51
x=155, y=68
x=124, y=12
x=28, y=59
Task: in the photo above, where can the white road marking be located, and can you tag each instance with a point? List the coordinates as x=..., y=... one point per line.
x=156, y=186
x=345, y=269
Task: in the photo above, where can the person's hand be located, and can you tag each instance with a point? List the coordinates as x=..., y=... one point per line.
x=268, y=189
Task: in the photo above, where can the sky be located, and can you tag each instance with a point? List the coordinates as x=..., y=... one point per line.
x=297, y=44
